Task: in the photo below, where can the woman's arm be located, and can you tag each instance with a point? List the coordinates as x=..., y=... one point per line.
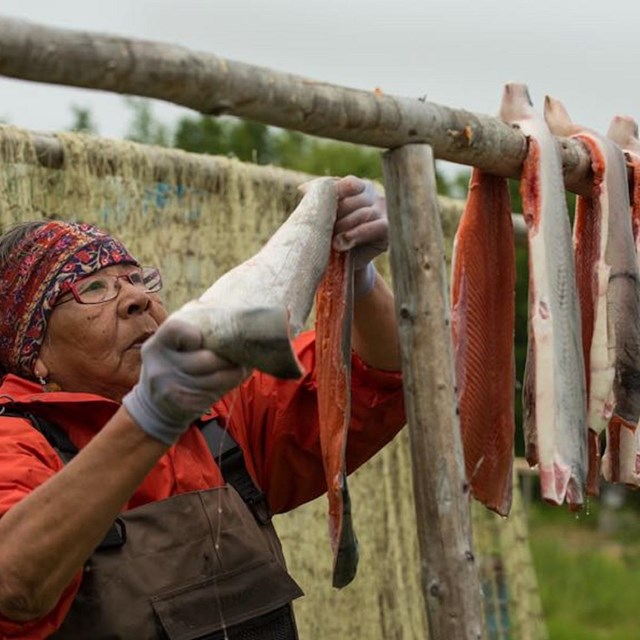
x=47, y=537
x=362, y=228
x=375, y=330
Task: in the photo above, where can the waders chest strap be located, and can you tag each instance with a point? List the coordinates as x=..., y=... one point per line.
x=59, y=440
x=225, y=451
x=228, y=456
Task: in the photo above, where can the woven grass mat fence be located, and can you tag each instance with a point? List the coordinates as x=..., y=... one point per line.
x=195, y=217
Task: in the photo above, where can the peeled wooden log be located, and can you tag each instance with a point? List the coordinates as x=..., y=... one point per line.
x=215, y=86
x=450, y=583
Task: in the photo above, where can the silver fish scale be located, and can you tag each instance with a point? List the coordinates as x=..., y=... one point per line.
x=557, y=419
x=287, y=270
x=570, y=398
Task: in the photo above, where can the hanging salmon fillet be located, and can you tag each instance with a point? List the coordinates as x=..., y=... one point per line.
x=554, y=395
x=625, y=466
x=482, y=323
x=607, y=274
x=334, y=314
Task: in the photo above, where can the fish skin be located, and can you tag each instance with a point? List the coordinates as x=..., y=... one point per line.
x=623, y=130
x=334, y=315
x=621, y=462
x=554, y=397
x=614, y=354
x=590, y=234
x=483, y=299
x=249, y=315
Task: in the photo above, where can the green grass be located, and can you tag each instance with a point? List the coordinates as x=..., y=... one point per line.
x=589, y=581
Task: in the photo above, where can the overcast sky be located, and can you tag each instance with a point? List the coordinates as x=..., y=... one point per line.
x=458, y=52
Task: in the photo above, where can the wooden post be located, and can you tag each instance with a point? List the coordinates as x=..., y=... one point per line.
x=450, y=581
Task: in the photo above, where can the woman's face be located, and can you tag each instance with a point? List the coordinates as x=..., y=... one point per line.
x=95, y=348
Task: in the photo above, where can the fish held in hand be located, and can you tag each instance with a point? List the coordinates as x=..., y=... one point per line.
x=249, y=315
x=554, y=394
x=482, y=321
x=334, y=314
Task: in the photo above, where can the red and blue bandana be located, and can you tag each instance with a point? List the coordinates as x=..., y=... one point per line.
x=39, y=269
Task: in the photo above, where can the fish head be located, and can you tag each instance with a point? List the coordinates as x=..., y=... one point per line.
x=558, y=119
x=623, y=130
x=516, y=102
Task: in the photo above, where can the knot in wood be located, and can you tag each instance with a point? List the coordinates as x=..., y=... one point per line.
x=405, y=312
x=434, y=590
x=463, y=137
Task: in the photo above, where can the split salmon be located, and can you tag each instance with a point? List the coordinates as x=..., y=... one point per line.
x=250, y=314
x=624, y=466
x=554, y=394
x=607, y=274
x=482, y=322
x=334, y=305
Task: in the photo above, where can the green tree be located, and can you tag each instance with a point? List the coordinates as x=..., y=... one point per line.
x=201, y=135
x=82, y=120
x=144, y=126
x=257, y=143
x=251, y=142
x=242, y=139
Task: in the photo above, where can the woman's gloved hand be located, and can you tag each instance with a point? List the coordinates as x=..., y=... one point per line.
x=179, y=381
x=361, y=226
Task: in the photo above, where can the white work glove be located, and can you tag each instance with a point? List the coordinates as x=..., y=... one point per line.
x=361, y=226
x=179, y=381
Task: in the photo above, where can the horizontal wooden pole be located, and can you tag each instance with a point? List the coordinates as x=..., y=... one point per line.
x=168, y=163
x=213, y=85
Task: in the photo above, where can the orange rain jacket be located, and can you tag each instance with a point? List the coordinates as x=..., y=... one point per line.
x=274, y=421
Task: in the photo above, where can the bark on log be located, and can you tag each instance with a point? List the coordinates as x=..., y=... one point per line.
x=215, y=86
x=450, y=581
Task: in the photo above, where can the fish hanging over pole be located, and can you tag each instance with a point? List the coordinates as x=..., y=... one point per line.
x=554, y=393
x=624, y=466
x=607, y=275
x=482, y=323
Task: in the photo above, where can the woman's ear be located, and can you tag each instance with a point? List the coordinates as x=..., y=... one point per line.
x=40, y=370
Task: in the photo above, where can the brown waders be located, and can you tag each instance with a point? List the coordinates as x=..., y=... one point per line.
x=192, y=565
x=196, y=566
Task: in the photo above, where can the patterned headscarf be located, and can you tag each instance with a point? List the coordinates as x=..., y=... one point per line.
x=39, y=268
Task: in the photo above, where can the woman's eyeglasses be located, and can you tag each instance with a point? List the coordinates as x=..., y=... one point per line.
x=104, y=287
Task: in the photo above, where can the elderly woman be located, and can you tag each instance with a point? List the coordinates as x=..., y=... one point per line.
x=118, y=518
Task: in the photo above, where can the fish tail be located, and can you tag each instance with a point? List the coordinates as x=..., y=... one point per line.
x=593, y=472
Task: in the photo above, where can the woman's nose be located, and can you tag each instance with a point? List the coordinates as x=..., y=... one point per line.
x=132, y=299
